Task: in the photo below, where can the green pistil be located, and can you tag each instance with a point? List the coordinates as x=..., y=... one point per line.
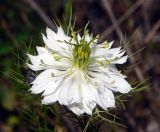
x=81, y=56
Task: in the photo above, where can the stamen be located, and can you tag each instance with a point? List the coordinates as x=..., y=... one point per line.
x=81, y=55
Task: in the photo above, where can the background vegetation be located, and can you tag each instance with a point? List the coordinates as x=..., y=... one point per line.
x=133, y=21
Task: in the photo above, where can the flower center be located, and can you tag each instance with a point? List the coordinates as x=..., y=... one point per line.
x=81, y=56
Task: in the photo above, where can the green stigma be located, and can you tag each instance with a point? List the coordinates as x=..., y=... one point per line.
x=81, y=55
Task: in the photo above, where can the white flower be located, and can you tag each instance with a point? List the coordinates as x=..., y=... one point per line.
x=78, y=72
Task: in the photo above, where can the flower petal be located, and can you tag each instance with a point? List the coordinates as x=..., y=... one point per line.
x=56, y=41
x=50, y=99
x=112, y=79
x=50, y=33
x=105, y=45
x=119, y=60
x=76, y=108
x=41, y=50
x=107, y=99
x=41, y=59
x=121, y=85
x=88, y=107
x=47, y=81
x=72, y=88
x=51, y=43
x=66, y=94
x=47, y=61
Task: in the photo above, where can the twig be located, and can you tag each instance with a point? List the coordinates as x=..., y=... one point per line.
x=152, y=32
x=156, y=38
x=122, y=18
x=120, y=35
x=8, y=32
x=107, y=7
x=42, y=14
x=145, y=14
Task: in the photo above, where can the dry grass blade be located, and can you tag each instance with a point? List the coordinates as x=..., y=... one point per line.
x=152, y=32
x=122, y=18
x=42, y=14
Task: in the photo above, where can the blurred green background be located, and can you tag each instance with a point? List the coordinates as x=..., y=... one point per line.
x=133, y=21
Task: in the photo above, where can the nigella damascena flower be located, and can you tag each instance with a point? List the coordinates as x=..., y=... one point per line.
x=77, y=72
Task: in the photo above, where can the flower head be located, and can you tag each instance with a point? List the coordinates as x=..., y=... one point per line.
x=78, y=72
